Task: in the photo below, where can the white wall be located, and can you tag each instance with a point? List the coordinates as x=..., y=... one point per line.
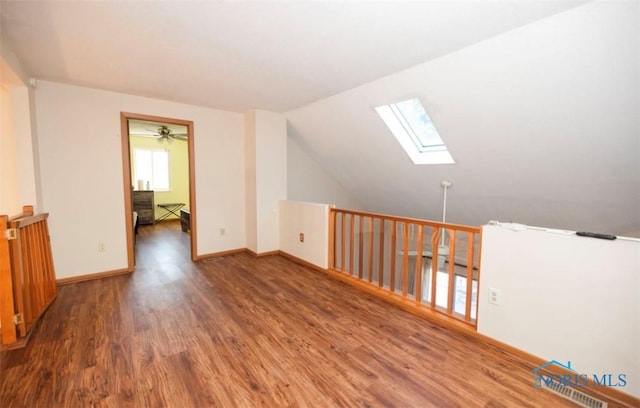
x=266, y=177
x=310, y=219
x=25, y=163
x=9, y=196
x=308, y=181
x=17, y=176
x=81, y=170
x=564, y=297
x=251, y=204
x=271, y=175
x=18, y=183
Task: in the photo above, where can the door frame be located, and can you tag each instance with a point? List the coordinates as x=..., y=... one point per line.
x=126, y=173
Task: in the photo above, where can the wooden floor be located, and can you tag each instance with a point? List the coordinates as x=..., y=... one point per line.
x=241, y=331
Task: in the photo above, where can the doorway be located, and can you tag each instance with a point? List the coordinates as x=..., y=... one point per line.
x=163, y=130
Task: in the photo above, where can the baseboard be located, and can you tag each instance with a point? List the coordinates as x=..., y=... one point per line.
x=302, y=262
x=608, y=393
x=221, y=253
x=261, y=254
x=93, y=276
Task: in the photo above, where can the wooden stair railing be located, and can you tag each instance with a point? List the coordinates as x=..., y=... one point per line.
x=27, y=276
x=420, y=265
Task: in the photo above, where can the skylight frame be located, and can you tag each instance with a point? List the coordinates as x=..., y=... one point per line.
x=411, y=125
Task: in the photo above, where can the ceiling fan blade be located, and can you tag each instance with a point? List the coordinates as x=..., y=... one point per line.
x=146, y=132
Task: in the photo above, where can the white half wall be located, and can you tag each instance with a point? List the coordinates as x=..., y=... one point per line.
x=564, y=297
x=309, y=219
x=82, y=180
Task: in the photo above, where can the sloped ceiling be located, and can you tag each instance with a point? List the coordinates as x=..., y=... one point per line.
x=543, y=123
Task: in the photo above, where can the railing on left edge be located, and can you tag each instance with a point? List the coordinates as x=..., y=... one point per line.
x=27, y=276
x=399, y=256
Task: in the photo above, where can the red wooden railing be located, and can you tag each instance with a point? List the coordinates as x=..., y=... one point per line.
x=27, y=276
x=427, y=264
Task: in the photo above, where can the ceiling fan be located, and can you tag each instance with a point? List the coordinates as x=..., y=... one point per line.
x=158, y=130
x=164, y=133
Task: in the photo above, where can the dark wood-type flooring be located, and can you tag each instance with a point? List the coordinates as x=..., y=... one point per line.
x=241, y=331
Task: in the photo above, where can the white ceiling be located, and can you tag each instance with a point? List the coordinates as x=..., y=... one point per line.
x=247, y=55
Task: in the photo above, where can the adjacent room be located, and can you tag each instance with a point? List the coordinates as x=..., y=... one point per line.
x=411, y=203
x=158, y=161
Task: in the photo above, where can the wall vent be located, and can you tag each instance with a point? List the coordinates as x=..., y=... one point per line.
x=574, y=395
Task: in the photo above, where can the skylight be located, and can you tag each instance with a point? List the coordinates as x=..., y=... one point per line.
x=416, y=133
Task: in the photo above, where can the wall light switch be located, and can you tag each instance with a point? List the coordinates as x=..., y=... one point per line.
x=301, y=237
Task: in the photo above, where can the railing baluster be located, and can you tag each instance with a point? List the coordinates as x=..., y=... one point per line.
x=351, y=240
x=50, y=273
x=342, y=238
x=381, y=255
x=370, y=254
x=361, y=248
x=451, y=270
x=36, y=256
x=43, y=263
x=435, y=237
x=332, y=238
x=405, y=260
x=19, y=284
x=28, y=257
x=392, y=258
x=468, y=297
x=418, y=293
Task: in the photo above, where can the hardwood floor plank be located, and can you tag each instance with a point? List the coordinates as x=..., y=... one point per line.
x=240, y=331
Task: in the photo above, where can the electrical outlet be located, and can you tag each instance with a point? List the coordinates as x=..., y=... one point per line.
x=222, y=231
x=301, y=237
x=101, y=247
x=494, y=296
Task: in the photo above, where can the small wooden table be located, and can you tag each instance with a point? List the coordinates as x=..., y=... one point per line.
x=169, y=208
